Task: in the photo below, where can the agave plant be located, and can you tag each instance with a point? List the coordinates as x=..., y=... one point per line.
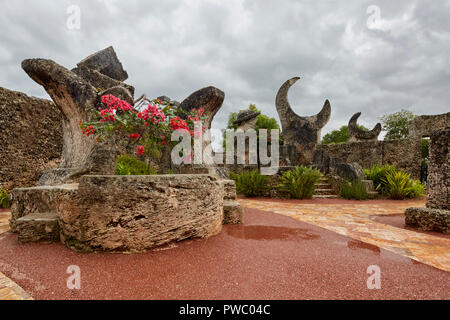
x=378, y=174
x=398, y=185
x=300, y=182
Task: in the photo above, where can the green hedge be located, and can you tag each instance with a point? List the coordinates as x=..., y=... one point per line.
x=130, y=166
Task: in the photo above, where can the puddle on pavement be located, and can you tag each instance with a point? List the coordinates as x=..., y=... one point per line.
x=270, y=233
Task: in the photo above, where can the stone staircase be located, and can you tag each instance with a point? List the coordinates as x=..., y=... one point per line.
x=324, y=190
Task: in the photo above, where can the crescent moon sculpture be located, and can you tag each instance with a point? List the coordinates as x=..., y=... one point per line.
x=303, y=133
x=356, y=134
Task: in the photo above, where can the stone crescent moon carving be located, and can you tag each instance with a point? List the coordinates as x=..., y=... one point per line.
x=287, y=115
x=356, y=134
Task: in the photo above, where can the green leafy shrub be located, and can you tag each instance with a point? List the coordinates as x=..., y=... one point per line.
x=355, y=190
x=398, y=185
x=393, y=183
x=378, y=173
x=4, y=199
x=300, y=182
x=251, y=184
x=130, y=166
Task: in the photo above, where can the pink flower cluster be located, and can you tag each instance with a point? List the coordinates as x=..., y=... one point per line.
x=152, y=114
x=112, y=104
x=115, y=103
x=178, y=123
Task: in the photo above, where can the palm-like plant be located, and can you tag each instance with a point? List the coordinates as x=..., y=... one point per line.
x=398, y=185
x=300, y=182
x=251, y=184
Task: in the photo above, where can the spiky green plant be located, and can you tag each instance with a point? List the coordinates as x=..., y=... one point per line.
x=398, y=185
x=251, y=184
x=355, y=190
x=300, y=182
x=378, y=173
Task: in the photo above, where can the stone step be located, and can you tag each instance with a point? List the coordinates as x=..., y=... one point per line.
x=233, y=213
x=327, y=191
x=38, y=199
x=323, y=185
x=328, y=196
x=36, y=227
x=369, y=185
x=373, y=194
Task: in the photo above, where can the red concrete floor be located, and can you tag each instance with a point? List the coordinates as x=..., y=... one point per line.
x=269, y=257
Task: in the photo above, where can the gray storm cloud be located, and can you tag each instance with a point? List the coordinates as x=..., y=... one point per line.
x=374, y=61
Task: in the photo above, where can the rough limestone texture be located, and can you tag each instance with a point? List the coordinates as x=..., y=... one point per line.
x=301, y=133
x=135, y=213
x=209, y=98
x=76, y=97
x=438, y=183
x=233, y=213
x=31, y=138
x=356, y=134
x=436, y=217
x=405, y=154
x=346, y=171
x=100, y=81
x=247, y=119
x=424, y=126
x=428, y=219
x=107, y=63
x=38, y=200
x=38, y=227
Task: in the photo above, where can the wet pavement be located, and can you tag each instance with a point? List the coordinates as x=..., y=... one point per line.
x=358, y=220
x=271, y=256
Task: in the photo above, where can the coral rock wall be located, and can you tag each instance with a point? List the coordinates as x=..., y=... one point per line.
x=438, y=177
x=30, y=138
x=405, y=154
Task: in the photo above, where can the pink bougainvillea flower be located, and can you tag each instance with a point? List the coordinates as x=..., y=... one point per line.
x=140, y=150
x=135, y=136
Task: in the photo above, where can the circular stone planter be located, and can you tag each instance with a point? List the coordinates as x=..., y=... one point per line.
x=136, y=213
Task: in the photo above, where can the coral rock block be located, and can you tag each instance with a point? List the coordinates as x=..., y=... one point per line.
x=135, y=213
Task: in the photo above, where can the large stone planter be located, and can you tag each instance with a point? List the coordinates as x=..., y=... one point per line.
x=121, y=213
x=135, y=213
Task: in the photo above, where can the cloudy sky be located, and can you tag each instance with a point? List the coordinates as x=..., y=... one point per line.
x=371, y=56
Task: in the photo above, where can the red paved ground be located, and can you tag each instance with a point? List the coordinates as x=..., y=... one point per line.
x=269, y=257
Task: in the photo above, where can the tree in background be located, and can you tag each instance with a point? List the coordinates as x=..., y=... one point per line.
x=397, y=124
x=339, y=136
x=262, y=122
